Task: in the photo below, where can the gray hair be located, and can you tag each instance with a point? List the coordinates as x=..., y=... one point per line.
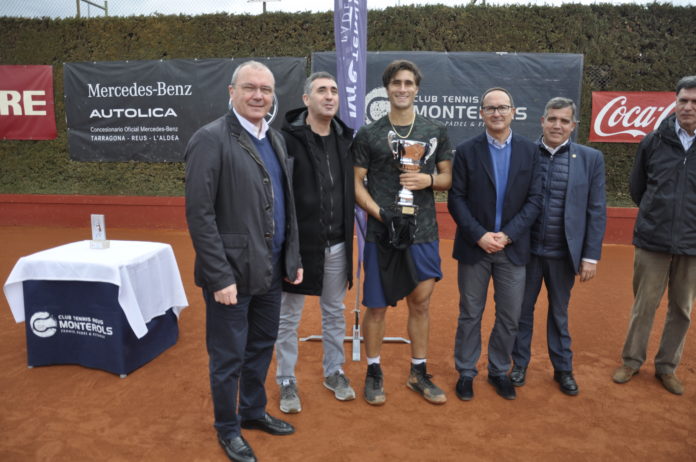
x=559, y=102
x=313, y=77
x=687, y=82
x=485, y=93
x=254, y=65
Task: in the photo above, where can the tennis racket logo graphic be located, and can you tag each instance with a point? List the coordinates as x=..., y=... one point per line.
x=43, y=324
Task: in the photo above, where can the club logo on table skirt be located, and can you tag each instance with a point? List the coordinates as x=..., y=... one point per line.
x=43, y=324
x=84, y=325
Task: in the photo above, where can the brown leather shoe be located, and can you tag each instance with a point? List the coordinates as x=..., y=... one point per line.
x=623, y=374
x=671, y=383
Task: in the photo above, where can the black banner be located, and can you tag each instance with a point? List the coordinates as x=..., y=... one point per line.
x=147, y=110
x=453, y=83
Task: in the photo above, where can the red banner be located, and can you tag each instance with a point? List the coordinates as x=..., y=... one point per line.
x=627, y=116
x=26, y=103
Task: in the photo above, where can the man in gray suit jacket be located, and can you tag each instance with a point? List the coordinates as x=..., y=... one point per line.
x=566, y=238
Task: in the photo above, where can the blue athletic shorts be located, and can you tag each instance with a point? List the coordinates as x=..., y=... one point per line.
x=426, y=258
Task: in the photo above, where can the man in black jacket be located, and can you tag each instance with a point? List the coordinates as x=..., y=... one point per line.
x=324, y=198
x=241, y=218
x=663, y=185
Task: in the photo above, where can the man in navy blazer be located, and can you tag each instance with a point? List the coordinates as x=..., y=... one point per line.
x=566, y=238
x=495, y=199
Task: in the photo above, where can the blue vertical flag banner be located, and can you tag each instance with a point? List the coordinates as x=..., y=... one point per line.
x=350, y=34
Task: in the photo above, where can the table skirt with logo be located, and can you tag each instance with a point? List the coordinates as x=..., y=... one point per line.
x=78, y=322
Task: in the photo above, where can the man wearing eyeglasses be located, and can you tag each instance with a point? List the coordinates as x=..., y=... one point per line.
x=566, y=239
x=494, y=200
x=241, y=217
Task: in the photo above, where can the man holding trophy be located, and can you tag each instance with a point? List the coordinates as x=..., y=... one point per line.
x=404, y=157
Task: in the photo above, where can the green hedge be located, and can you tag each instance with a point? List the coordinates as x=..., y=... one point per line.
x=626, y=47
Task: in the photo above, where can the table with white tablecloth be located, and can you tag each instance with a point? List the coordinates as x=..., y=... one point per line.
x=113, y=309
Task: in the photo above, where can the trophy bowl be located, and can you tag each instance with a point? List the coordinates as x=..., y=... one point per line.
x=411, y=156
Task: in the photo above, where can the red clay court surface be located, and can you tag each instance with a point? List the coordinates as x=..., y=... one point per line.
x=163, y=411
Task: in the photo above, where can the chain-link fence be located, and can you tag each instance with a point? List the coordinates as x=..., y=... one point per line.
x=98, y=8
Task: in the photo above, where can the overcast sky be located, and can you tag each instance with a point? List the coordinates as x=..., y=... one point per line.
x=64, y=8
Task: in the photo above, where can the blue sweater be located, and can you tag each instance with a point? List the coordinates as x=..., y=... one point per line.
x=270, y=161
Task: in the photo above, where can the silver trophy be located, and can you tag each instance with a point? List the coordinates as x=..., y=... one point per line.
x=411, y=155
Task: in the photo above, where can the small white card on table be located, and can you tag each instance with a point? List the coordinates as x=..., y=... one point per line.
x=99, y=240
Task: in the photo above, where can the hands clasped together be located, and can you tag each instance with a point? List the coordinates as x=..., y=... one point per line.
x=494, y=242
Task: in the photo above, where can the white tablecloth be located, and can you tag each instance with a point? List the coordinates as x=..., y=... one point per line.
x=146, y=274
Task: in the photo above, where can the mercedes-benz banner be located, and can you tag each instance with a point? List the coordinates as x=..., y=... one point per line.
x=148, y=110
x=453, y=83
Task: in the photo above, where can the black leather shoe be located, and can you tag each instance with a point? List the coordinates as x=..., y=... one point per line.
x=269, y=424
x=503, y=386
x=465, y=388
x=518, y=375
x=237, y=449
x=567, y=382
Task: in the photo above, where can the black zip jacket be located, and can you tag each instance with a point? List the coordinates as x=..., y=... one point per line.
x=307, y=188
x=663, y=185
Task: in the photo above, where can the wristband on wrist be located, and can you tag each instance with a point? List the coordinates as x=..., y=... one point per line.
x=432, y=180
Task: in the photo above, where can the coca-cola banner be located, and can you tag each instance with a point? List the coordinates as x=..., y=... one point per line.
x=453, y=83
x=627, y=116
x=26, y=103
x=148, y=110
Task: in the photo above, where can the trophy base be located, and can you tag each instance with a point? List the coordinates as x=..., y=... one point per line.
x=407, y=209
x=98, y=244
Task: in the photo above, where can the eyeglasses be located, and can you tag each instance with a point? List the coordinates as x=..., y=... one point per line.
x=490, y=110
x=252, y=89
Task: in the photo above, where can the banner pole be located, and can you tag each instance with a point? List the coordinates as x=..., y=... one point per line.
x=356, y=327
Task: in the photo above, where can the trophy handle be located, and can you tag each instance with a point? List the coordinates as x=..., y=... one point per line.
x=432, y=144
x=393, y=143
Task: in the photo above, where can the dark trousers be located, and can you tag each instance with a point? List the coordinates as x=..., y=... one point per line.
x=508, y=284
x=559, y=277
x=240, y=341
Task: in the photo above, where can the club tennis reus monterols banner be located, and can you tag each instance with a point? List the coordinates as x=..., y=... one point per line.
x=453, y=83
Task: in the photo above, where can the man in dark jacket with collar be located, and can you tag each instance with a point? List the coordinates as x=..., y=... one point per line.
x=241, y=218
x=322, y=184
x=566, y=238
x=663, y=185
x=495, y=199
